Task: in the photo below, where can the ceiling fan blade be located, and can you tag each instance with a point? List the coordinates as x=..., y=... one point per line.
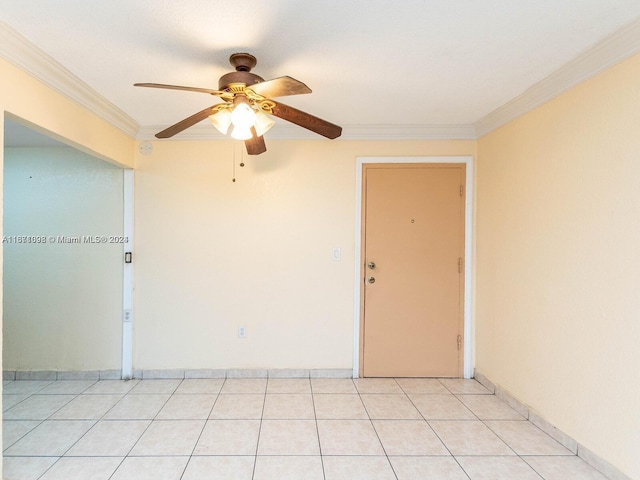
x=179, y=87
x=306, y=120
x=186, y=123
x=255, y=145
x=280, y=87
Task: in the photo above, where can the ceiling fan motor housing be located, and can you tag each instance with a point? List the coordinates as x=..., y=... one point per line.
x=247, y=78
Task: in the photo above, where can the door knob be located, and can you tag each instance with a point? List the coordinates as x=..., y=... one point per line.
x=371, y=279
x=371, y=265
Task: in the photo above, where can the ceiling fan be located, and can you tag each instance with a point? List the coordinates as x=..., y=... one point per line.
x=247, y=98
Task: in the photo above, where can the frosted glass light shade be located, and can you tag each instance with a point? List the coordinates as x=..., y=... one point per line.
x=240, y=133
x=263, y=123
x=221, y=120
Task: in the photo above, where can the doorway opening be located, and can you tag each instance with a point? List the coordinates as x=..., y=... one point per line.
x=62, y=257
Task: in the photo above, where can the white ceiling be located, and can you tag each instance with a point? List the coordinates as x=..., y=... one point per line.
x=372, y=64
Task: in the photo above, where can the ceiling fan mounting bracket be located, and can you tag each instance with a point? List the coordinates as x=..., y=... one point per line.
x=243, y=62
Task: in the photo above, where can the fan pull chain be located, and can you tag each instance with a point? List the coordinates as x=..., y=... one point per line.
x=233, y=179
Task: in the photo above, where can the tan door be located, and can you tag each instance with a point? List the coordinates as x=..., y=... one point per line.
x=413, y=280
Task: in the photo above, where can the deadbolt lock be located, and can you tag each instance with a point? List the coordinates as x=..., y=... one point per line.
x=371, y=265
x=371, y=279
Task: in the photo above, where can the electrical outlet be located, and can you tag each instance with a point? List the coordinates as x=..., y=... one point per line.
x=242, y=332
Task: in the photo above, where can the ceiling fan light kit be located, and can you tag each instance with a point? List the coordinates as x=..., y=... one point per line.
x=246, y=101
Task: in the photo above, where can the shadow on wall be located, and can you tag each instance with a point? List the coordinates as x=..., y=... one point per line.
x=62, y=288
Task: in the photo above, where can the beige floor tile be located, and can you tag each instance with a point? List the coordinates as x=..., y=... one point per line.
x=288, y=406
x=348, y=437
x=70, y=387
x=112, y=387
x=220, y=468
x=51, y=438
x=169, y=437
x=357, y=468
x=87, y=407
x=209, y=386
x=339, y=406
x=468, y=437
x=244, y=385
x=137, y=407
x=288, y=437
x=441, y=407
x=461, y=386
x=287, y=440
x=390, y=407
x=333, y=385
x=229, y=437
x=9, y=401
x=526, y=439
x=437, y=468
x=497, y=468
x=150, y=468
x=109, y=438
x=25, y=468
x=14, y=430
x=563, y=468
x=408, y=437
x=421, y=385
x=289, y=385
x=489, y=407
x=165, y=386
x=25, y=386
x=243, y=406
x=83, y=468
x=37, y=407
x=377, y=385
x=288, y=468
x=187, y=407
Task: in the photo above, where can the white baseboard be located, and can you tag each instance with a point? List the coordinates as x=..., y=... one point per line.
x=178, y=373
x=597, y=462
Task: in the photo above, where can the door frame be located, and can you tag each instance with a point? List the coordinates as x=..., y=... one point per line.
x=468, y=253
x=127, y=273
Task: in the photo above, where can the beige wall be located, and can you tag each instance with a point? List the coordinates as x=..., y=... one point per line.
x=62, y=305
x=212, y=255
x=558, y=262
x=29, y=101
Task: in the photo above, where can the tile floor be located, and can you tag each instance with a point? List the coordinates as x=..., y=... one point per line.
x=302, y=429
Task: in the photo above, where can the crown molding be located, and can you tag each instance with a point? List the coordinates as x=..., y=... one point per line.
x=17, y=50
x=409, y=132
x=611, y=51
x=349, y=132
x=621, y=45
